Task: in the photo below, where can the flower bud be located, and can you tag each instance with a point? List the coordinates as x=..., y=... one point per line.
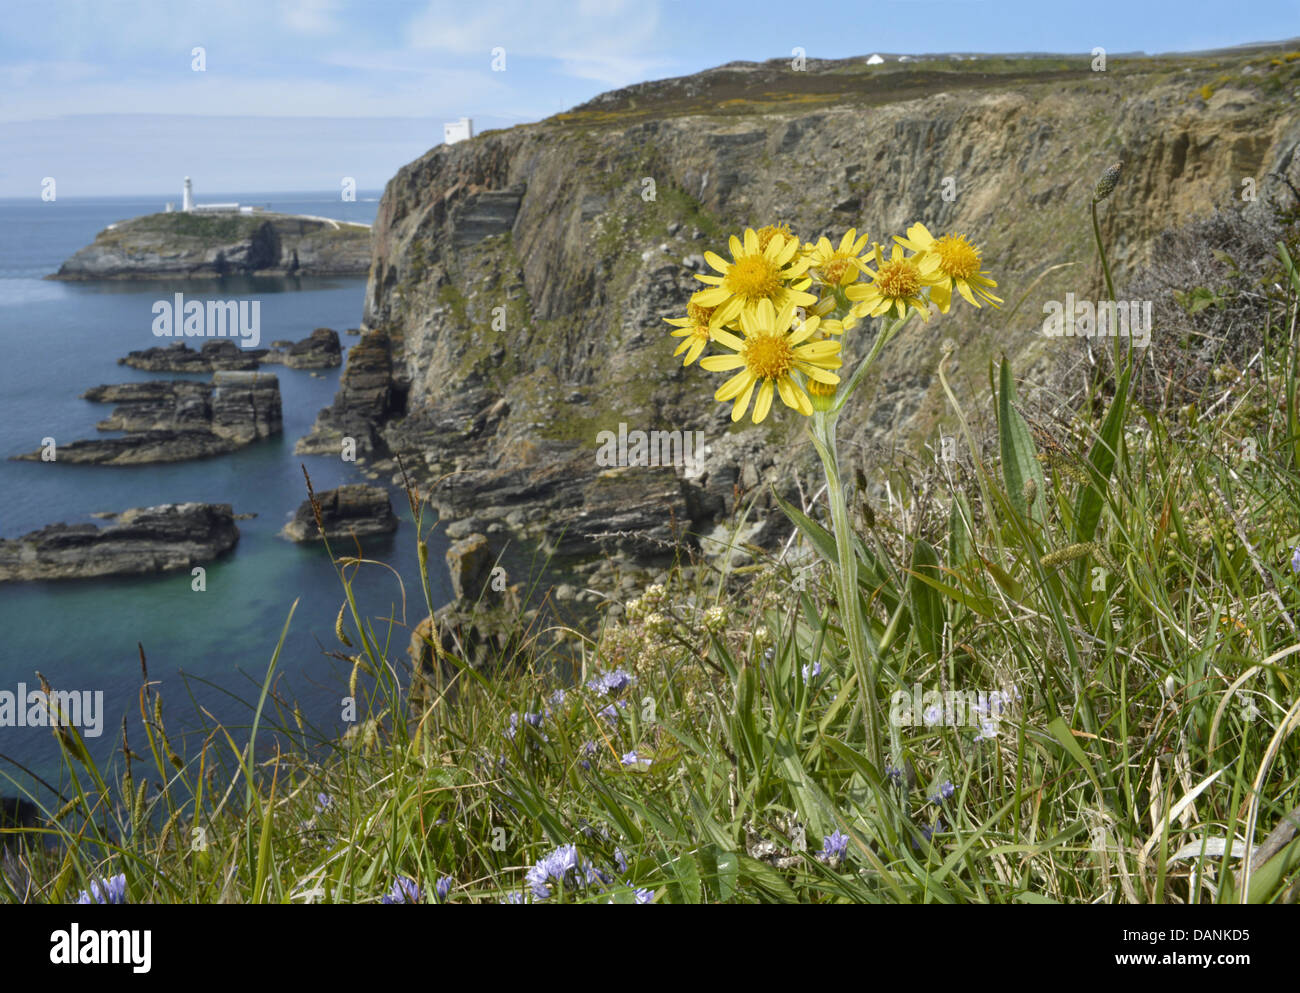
x=1107, y=183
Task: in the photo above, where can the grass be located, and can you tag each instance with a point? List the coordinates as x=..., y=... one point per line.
x=1132, y=591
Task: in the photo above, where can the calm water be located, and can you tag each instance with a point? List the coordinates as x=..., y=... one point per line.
x=210, y=648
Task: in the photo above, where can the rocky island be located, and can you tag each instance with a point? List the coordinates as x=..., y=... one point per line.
x=175, y=420
x=211, y=245
x=356, y=509
x=319, y=350
x=141, y=540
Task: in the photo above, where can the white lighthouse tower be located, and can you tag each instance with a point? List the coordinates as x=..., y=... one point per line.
x=187, y=199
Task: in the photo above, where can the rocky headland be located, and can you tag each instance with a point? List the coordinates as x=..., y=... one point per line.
x=213, y=245
x=141, y=540
x=319, y=350
x=519, y=280
x=176, y=420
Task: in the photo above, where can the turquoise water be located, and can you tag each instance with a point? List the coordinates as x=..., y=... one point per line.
x=207, y=648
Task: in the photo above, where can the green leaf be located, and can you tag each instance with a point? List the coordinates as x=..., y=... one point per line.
x=1102, y=457
x=927, y=604
x=820, y=539
x=1019, y=462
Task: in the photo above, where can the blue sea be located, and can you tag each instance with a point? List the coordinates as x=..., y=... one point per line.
x=205, y=649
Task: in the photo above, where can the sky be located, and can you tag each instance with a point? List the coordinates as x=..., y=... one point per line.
x=109, y=97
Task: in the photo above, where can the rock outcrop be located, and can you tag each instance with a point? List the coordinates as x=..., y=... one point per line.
x=172, y=245
x=356, y=509
x=520, y=279
x=320, y=350
x=141, y=540
x=210, y=357
x=176, y=420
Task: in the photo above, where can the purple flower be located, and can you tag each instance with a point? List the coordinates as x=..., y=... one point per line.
x=1295, y=559
x=610, y=682
x=557, y=698
x=928, y=832
x=988, y=731
x=443, y=886
x=323, y=801
x=111, y=890
x=609, y=712
x=514, y=726
x=405, y=890
x=834, y=847
x=620, y=860
x=895, y=774
x=945, y=791
x=631, y=758
x=556, y=866
x=812, y=672
x=932, y=715
x=512, y=898
x=645, y=896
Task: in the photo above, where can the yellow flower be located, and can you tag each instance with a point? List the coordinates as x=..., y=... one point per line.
x=896, y=284
x=830, y=266
x=766, y=356
x=957, y=260
x=695, y=330
x=756, y=273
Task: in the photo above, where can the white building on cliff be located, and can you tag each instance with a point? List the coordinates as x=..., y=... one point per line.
x=461, y=130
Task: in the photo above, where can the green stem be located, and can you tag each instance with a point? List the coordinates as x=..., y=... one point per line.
x=847, y=575
x=1105, y=268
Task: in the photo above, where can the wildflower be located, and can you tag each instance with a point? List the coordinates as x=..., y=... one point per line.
x=894, y=774
x=822, y=395
x=988, y=730
x=695, y=330
x=946, y=790
x=563, y=866
x=956, y=260
x=534, y=719
x=757, y=273
x=557, y=698
x=620, y=860
x=835, y=267
x=715, y=618
x=928, y=832
x=514, y=726
x=654, y=594
x=512, y=898
x=631, y=758
x=762, y=636
x=610, y=682
x=645, y=896
x=404, y=890
x=834, y=847
x=767, y=354
x=658, y=624
x=1295, y=560
x=609, y=712
x=812, y=672
x=111, y=890
x=323, y=801
x=443, y=887
x=896, y=284
x=932, y=715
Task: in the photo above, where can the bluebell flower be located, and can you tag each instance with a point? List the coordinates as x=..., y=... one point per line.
x=323, y=801
x=895, y=774
x=557, y=698
x=111, y=890
x=812, y=672
x=988, y=731
x=928, y=832
x=834, y=847
x=932, y=715
x=404, y=890
x=631, y=758
x=946, y=790
x=645, y=896
x=443, y=886
x=610, y=682
x=514, y=726
x=1295, y=559
x=609, y=712
x=512, y=898
x=534, y=719
x=620, y=860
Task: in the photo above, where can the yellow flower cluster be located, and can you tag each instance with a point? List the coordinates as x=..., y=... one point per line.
x=760, y=305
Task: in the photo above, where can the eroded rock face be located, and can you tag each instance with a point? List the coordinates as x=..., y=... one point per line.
x=175, y=420
x=356, y=509
x=520, y=280
x=214, y=245
x=469, y=562
x=141, y=540
x=320, y=350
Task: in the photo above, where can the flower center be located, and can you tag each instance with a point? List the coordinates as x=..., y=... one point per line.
x=899, y=279
x=769, y=356
x=833, y=271
x=754, y=277
x=957, y=257
x=700, y=315
x=768, y=232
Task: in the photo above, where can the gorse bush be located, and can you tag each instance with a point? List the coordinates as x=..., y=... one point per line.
x=1062, y=673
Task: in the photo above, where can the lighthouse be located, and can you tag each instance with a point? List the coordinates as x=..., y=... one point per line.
x=187, y=199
